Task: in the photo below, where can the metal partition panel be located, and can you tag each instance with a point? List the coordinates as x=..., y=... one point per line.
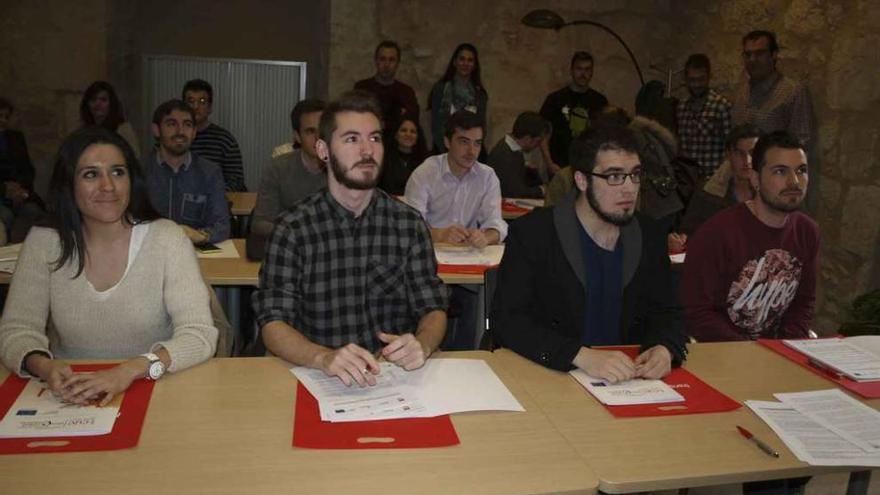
x=252, y=99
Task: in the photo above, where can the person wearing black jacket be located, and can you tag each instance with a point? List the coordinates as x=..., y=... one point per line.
x=20, y=206
x=590, y=272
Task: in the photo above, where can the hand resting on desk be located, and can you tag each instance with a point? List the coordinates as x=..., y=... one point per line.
x=615, y=366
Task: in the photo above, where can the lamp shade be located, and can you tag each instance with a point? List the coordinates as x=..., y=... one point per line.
x=543, y=19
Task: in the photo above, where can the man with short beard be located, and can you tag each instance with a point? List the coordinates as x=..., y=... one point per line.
x=751, y=269
x=183, y=186
x=590, y=272
x=349, y=274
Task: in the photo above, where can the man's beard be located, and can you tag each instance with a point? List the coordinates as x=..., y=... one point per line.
x=778, y=204
x=618, y=219
x=351, y=183
x=175, y=148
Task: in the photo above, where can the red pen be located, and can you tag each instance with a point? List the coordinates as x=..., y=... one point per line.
x=761, y=445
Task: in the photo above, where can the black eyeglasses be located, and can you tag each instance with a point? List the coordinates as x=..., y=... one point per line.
x=618, y=178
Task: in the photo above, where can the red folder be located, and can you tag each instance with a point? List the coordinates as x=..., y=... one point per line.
x=125, y=434
x=699, y=396
x=511, y=207
x=312, y=433
x=463, y=269
x=868, y=390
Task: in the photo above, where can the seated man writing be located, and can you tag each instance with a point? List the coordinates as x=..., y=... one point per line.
x=589, y=272
x=349, y=272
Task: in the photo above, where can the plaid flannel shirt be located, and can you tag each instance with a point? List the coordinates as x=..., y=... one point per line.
x=338, y=279
x=702, y=131
x=778, y=104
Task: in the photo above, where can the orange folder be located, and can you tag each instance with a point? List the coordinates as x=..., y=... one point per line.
x=126, y=431
x=312, y=433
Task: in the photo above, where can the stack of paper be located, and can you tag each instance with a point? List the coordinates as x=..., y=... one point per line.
x=9, y=257
x=488, y=256
x=824, y=428
x=856, y=358
x=441, y=386
x=628, y=393
x=38, y=413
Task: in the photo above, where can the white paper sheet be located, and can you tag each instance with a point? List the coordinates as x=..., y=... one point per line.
x=442, y=386
x=227, y=250
x=10, y=252
x=810, y=441
x=454, y=255
x=840, y=355
x=38, y=413
x=627, y=393
x=839, y=413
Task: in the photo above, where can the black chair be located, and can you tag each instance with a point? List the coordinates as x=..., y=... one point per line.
x=490, y=281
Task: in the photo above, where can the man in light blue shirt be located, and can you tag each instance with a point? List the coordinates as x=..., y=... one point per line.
x=459, y=197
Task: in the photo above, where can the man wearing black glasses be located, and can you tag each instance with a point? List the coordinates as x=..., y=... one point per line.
x=590, y=272
x=770, y=100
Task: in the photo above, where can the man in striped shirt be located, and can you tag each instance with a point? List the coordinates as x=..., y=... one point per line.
x=213, y=142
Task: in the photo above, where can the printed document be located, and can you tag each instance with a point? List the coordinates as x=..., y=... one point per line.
x=441, y=386
x=839, y=413
x=38, y=413
x=810, y=441
x=630, y=392
x=841, y=355
x=460, y=255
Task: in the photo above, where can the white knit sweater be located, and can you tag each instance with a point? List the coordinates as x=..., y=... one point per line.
x=160, y=301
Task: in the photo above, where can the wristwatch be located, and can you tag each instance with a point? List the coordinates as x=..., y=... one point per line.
x=157, y=367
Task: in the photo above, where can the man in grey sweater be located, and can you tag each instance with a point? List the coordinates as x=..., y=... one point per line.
x=290, y=178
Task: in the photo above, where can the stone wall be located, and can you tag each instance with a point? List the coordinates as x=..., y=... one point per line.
x=830, y=45
x=49, y=52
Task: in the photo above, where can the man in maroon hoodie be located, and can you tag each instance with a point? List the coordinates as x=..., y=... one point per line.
x=751, y=269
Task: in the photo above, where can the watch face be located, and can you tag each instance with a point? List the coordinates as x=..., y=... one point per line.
x=157, y=369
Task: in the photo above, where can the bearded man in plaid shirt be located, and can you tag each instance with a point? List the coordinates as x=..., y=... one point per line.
x=704, y=118
x=350, y=273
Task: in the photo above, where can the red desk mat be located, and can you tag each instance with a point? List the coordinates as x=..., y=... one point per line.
x=312, y=433
x=868, y=390
x=463, y=269
x=126, y=430
x=699, y=396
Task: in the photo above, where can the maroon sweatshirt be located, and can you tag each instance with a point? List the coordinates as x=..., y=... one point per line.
x=744, y=280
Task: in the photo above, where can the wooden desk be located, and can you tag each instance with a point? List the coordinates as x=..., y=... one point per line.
x=243, y=272
x=243, y=203
x=231, y=271
x=681, y=451
x=225, y=427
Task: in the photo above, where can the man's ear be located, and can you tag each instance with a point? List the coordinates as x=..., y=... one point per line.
x=155, y=129
x=580, y=181
x=754, y=178
x=322, y=150
x=446, y=142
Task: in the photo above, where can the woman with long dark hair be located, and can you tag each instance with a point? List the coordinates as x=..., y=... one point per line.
x=403, y=153
x=106, y=279
x=460, y=88
x=101, y=106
